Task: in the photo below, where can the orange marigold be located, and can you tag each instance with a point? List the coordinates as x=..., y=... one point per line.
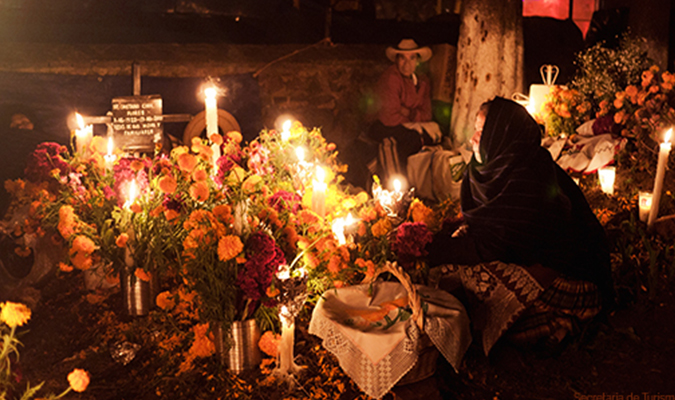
x=67, y=222
x=234, y=136
x=187, y=162
x=143, y=275
x=381, y=227
x=216, y=138
x=202, y=345
x=199, y=174
x=65, y=267
x=83, y=244
x=167, y=184
x=199, y=191
x=122, y=240
x=170, y=214
x=165, y=301
x=229, y=247
x=269, y=343
x=78, y=380
x=14, y=314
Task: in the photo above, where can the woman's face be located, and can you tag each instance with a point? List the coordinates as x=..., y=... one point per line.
x=475, y=139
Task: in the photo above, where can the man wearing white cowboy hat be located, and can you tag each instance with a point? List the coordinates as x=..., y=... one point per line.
x=404, y=104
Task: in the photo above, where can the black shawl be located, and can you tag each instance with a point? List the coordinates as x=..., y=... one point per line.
x=521, y=207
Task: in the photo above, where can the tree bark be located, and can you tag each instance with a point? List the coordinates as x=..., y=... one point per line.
x=489, y=59
x=650, y=19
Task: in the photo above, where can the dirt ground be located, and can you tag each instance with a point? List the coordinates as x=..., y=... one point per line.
x=629, y=354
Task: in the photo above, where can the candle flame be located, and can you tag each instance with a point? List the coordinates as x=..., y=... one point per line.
x=397, y=185
x=287, y=125
x=210, y=92
x=300, y=153
x=669, y=133
x=284, y=272
x=320, y=174
x=80, y=121
x=132, y=194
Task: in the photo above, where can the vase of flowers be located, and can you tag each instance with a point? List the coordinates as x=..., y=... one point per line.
x=139, y=290
x=237, y=347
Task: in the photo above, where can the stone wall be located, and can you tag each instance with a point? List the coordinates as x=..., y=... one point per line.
x=322, y=85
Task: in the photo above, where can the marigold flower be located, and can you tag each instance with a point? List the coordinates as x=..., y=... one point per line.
x=187, y=162
x=307, y=217
x=14, y=314
x=167, y=184
x=632, y=91
x=81, y=261
x=143, y=275
x=199, y=191
x=136, y=165
x=164, y=301
x=65, y=267
x=234, y=136
x=202, y=345
x=170, y=214
x=136, y=208
x=83, y=244
x=78, y=380
x=199, y=174
x=67, y=222
x=251, y=182
x=216, y=138
x=619, y=117
x=368, y=266
x=618, y=103
x=381, y=227
x=269, y=343
x=223, y=212
x=229, y=247
x=22, y=251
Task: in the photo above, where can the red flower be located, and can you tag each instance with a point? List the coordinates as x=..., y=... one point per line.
x=411, y=240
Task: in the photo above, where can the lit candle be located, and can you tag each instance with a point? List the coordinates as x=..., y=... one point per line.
x=319, y=192
x=300, y=153
x=338, y=227
x=286, y=130
x=644, y=205
x=287, y=341
x=664, y=152
x=211, y=111
x=83, y=136
x=212, y=121
x=607, y=175
x=109, y=157
x=132, y=193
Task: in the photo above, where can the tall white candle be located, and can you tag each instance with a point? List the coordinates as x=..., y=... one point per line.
x=109, y=157
x=83, y=136
x=319, y=192
x=211, y=111
x=286, y=130
x=664, y=152
x=287, y=341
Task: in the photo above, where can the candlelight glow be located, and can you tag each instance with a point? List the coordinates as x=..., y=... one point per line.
x=669, y=133
x=80, y=121
x=339, y=225
x=286, y=130
x=110, y=145
x=300, y=153
x=283, y=316
x=132, y=194
x=320, y=174
x=607, y=176
x=397, y=185
x=210, y=92
x=284, y=272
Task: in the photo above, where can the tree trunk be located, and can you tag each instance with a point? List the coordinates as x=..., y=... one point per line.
x=489, y=59
x=650, y=19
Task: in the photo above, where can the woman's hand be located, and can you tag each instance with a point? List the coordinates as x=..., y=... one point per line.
x=461, y=231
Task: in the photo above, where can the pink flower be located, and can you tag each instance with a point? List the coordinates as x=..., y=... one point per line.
x=263, y=258
x=46, y=158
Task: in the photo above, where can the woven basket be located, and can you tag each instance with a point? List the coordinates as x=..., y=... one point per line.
x=428, y=353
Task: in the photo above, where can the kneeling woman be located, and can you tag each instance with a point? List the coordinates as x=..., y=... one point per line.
x=531, y=255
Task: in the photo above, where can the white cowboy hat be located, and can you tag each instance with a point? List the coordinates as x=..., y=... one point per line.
x=407, y=46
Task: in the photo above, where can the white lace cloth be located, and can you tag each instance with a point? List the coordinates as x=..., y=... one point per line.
x=373, y=338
